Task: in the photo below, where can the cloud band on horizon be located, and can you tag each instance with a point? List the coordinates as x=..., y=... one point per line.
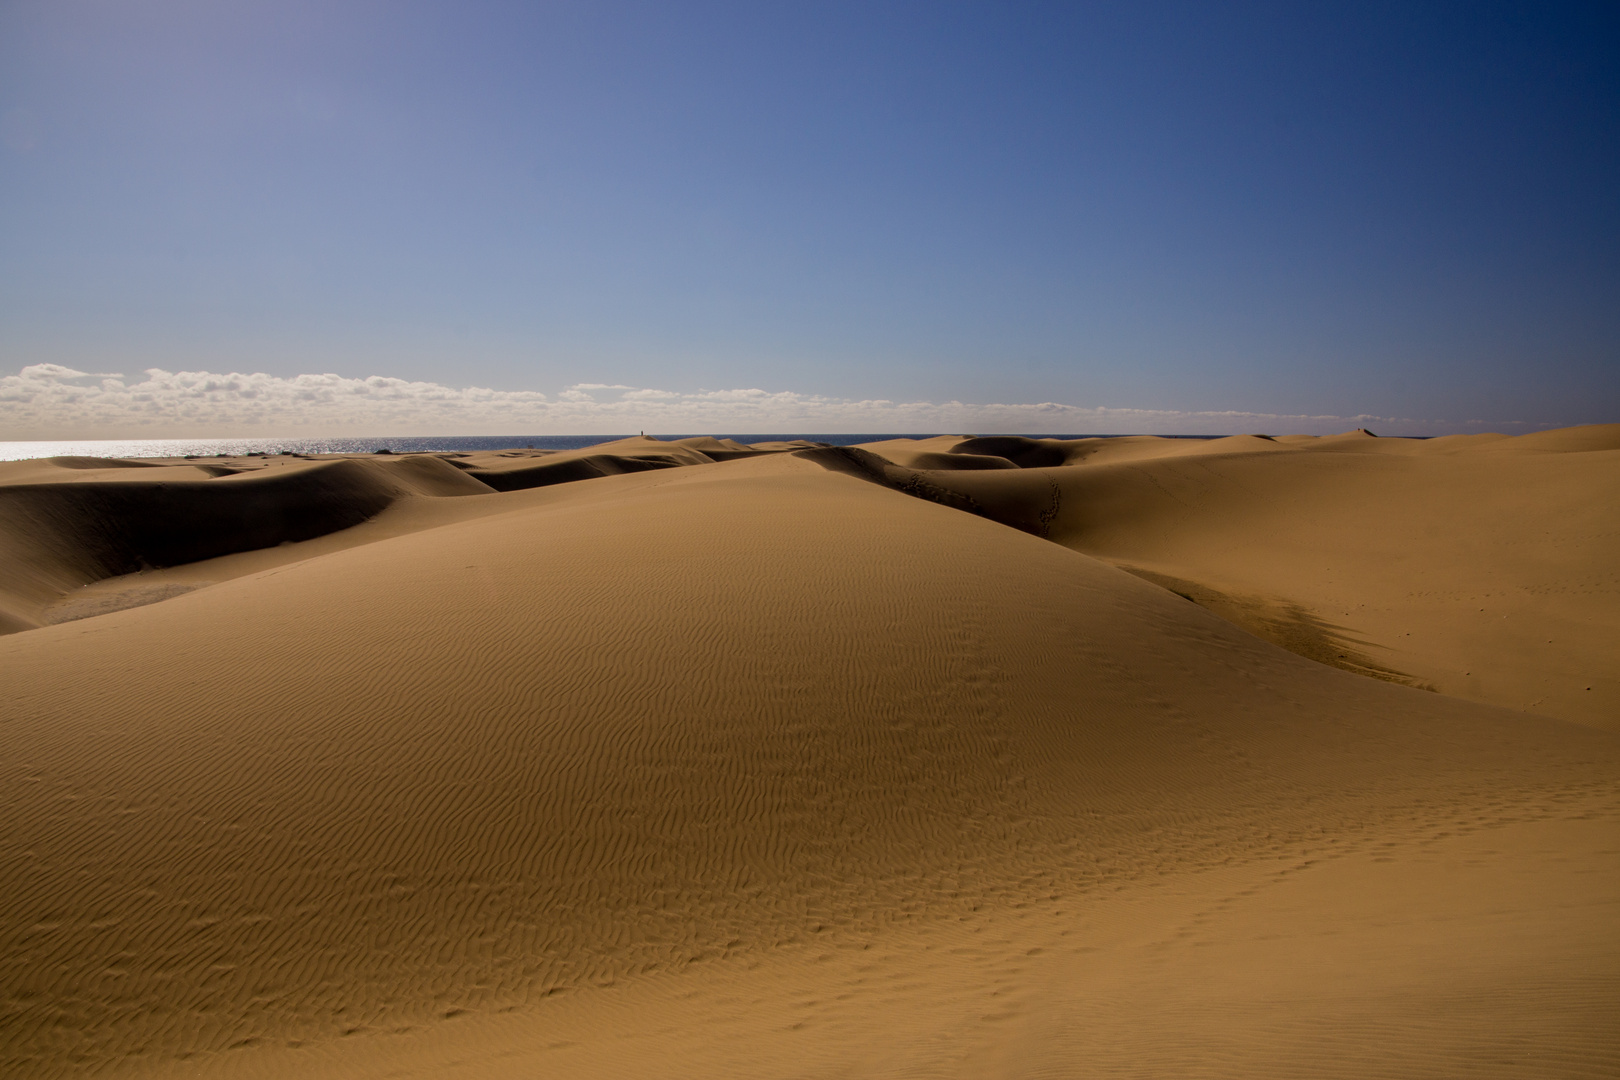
x=51, y=401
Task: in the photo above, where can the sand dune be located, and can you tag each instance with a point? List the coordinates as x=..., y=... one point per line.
x=1476, y=565
x=794, y=763
x=120, y=517
x=513, y=470
x=59, y=534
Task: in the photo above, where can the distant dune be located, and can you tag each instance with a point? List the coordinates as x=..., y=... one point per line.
x=979, y=757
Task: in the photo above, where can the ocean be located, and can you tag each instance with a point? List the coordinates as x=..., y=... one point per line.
x=173, y=448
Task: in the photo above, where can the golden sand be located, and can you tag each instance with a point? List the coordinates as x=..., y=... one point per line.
x=695, y=759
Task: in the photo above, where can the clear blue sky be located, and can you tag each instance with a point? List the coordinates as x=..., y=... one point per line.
x=1400, y=209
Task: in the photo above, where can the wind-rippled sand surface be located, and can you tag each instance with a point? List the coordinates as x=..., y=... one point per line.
x=691, y=759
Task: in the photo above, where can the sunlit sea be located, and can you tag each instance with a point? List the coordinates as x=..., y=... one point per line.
x=173, y=448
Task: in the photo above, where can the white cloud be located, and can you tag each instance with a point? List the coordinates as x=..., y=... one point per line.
x=49, y=401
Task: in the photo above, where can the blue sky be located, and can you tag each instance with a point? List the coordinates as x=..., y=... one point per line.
x=1183, y=211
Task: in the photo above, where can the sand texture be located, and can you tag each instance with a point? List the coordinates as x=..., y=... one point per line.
x=957, y=758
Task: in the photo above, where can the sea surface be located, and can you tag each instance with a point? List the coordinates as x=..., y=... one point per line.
x=173, y=448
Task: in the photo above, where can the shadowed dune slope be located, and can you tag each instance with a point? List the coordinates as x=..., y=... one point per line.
x=513, y=470
x=1480, y=566
x=514, y=477
x=753, y=714
x=114, y=518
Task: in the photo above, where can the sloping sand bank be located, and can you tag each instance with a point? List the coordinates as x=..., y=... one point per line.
x=763, y=768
